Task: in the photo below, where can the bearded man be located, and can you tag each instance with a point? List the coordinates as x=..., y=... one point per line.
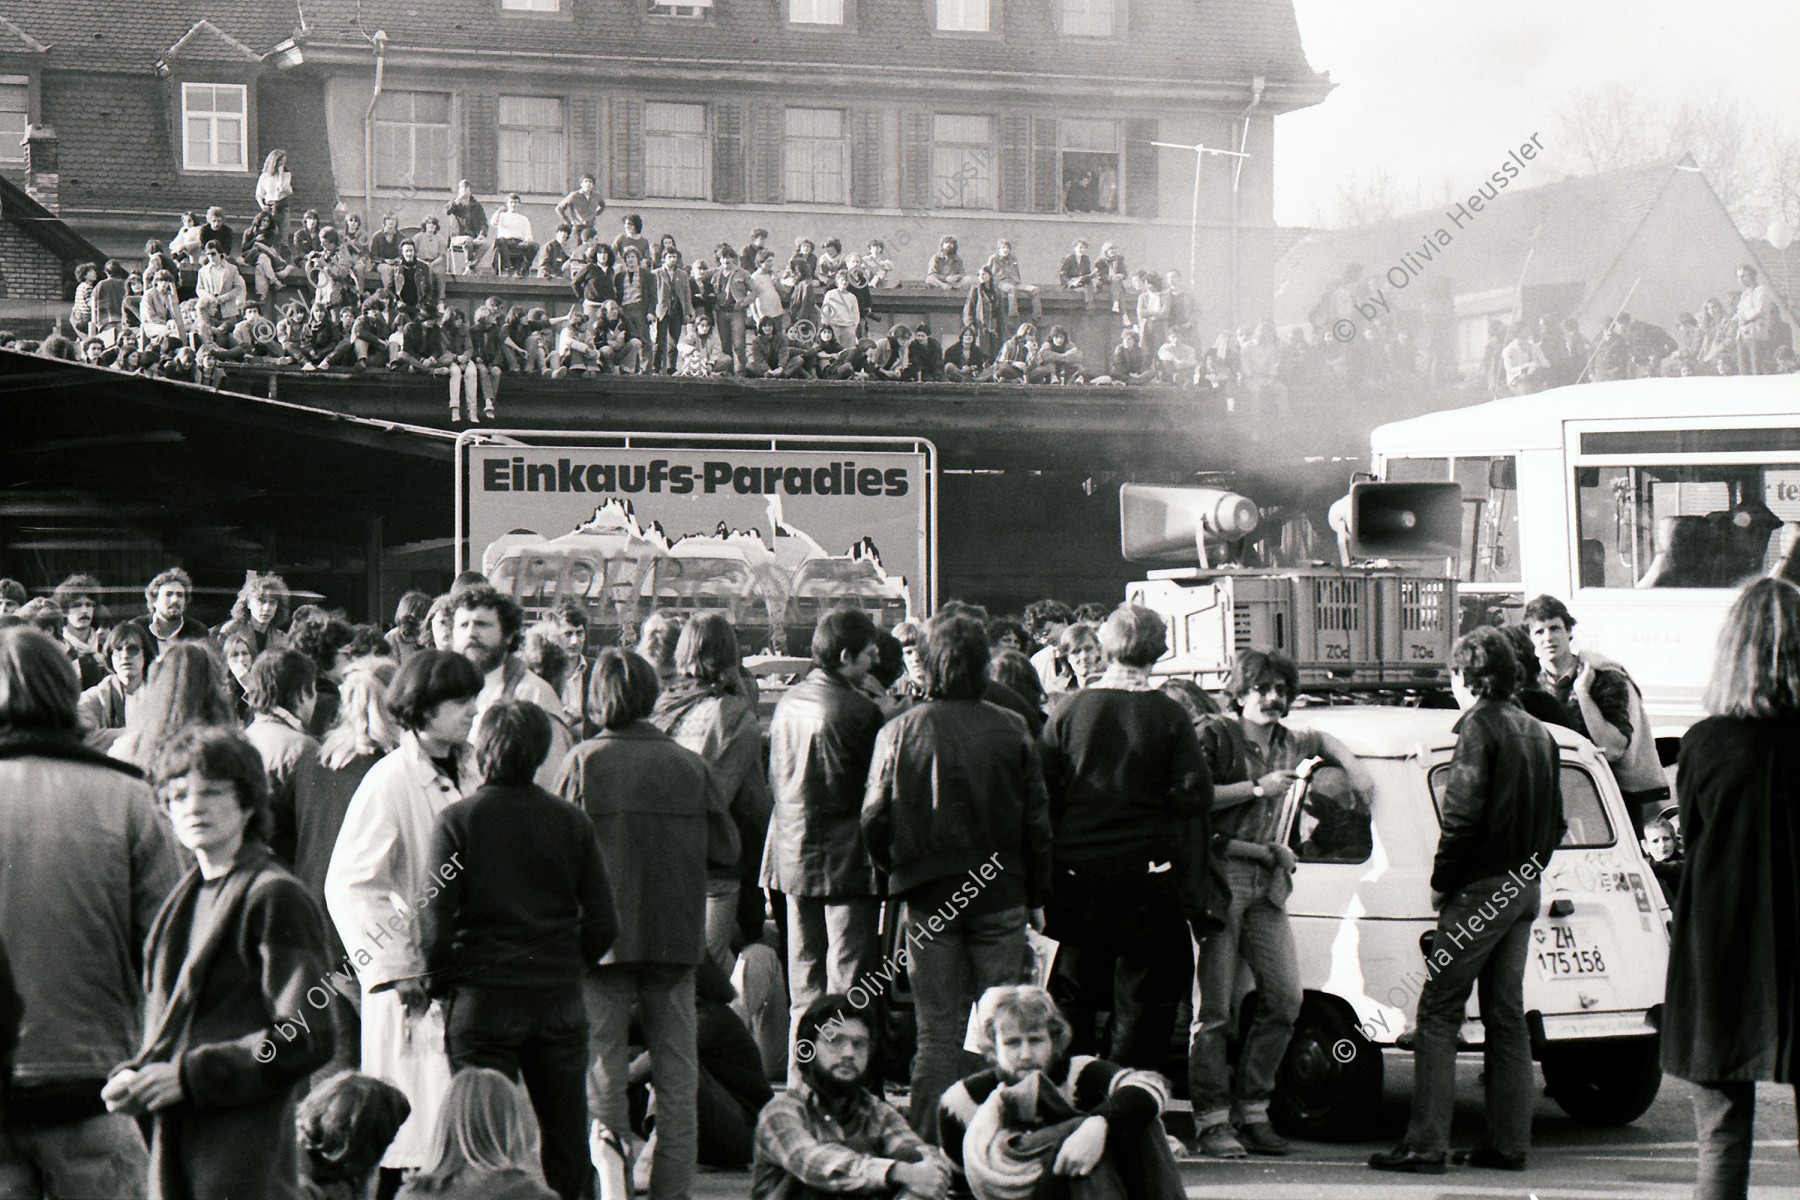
x=829, y=1135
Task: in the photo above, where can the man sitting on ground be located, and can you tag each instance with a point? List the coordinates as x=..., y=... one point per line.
x=1037, y=1114
x=829, y=1135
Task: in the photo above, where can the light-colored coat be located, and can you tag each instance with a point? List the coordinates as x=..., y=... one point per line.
x=379, y=875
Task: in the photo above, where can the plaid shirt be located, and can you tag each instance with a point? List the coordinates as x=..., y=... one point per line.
x=800, y=1146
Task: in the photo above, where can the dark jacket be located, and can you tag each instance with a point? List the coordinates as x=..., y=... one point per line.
x=321, y=798
x=1503, y=805
x=1731, y=1010
x=283, y=748
x=215, y=1008
x=820, y=741
x=953, y=784
x=88, y=865
x=525, y=905
x=661, y=821
x=1125, y=771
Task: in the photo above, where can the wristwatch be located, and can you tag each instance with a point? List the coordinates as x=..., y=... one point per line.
x=1256, y=789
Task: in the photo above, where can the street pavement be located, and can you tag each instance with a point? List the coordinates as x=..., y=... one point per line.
x=1652, y=1159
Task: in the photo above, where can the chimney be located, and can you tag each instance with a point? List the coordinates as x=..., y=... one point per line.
x=43, y=177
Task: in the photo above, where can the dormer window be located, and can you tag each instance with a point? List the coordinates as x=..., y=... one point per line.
x=215, y=127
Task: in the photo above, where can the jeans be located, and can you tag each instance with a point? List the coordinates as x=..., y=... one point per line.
x=1487, y=936
x=831, y=945
x=721, y=921
x=541, y=1042
x=663, y=998
x=1724, y=1122
x=1125, y=949
x=101, y=1156
x=730, y=324
x=1256, y=934
x=949, y=971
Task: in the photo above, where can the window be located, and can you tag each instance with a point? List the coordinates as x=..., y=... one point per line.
x=1704, y=526
x=1490, y=525
x=962, y=161
x=1090, y=165
x=1589, y=828
x=818, y=156
x=15, y=114
x=532, y=145
x=675, y=146
x=691, y=10
x=215, y=127
x=531, y=6
x=1330, y=824
x=412, y=141
x=964, y=16
x=1088, y=18
x=816, y=12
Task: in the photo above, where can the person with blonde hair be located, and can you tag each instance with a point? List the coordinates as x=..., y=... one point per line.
x=484, y=1146
x=1731, y=998
x=365, y=731
x=1037, y=1110
x=186, y=686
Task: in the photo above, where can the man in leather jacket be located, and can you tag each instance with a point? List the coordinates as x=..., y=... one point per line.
x=821, y=739
x=1502, y=818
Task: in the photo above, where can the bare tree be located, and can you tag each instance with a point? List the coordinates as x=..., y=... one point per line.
x=1607, y=129
x=1365, y=198
x=1725, y=146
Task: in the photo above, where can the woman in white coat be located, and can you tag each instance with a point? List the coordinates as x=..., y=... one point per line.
x=381, y=876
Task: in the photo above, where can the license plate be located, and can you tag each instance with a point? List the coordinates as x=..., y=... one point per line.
x=1567, y=952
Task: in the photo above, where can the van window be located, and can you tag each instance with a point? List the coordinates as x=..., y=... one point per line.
x=1589, y=828
x=1705, y=526
x=1330, y=825
x=1490, y=533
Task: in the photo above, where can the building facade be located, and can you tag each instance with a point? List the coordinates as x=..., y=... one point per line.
x=901, y=120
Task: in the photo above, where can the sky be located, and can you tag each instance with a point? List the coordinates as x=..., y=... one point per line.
x=1437, y=91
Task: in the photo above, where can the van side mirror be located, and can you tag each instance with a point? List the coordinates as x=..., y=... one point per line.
x=1502, y=475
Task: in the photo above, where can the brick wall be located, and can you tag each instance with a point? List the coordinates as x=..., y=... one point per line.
x=30, y=271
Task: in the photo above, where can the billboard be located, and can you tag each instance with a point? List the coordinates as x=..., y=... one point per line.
x=771, y=531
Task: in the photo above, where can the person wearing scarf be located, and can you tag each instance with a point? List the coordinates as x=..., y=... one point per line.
x=230, y=1036
x=1039, y=1124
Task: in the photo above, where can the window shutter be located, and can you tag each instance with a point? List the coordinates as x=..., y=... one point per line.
x=915, y=160
x=481, y=137
x=1140, y=167
x=865, y=157
x=628, y=149
x=584, y=138
x=728, y=153
x=1015, y=164
x=1046, y=187
x=768, y=133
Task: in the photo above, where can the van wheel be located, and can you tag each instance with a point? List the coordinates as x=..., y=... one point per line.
x=1604, y=1083
x=1329, y=1086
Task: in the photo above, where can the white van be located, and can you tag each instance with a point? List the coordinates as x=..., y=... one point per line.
x=1362, y=918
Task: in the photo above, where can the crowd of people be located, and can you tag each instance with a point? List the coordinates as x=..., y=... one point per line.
x=481, y=910
x=337, y=296
x=1748, y=337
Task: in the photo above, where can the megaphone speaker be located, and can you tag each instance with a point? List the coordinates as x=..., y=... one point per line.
x=1161, y=524
x=1402, y=520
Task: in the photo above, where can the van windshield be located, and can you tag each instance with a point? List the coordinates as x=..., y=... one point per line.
x=1589, y=826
